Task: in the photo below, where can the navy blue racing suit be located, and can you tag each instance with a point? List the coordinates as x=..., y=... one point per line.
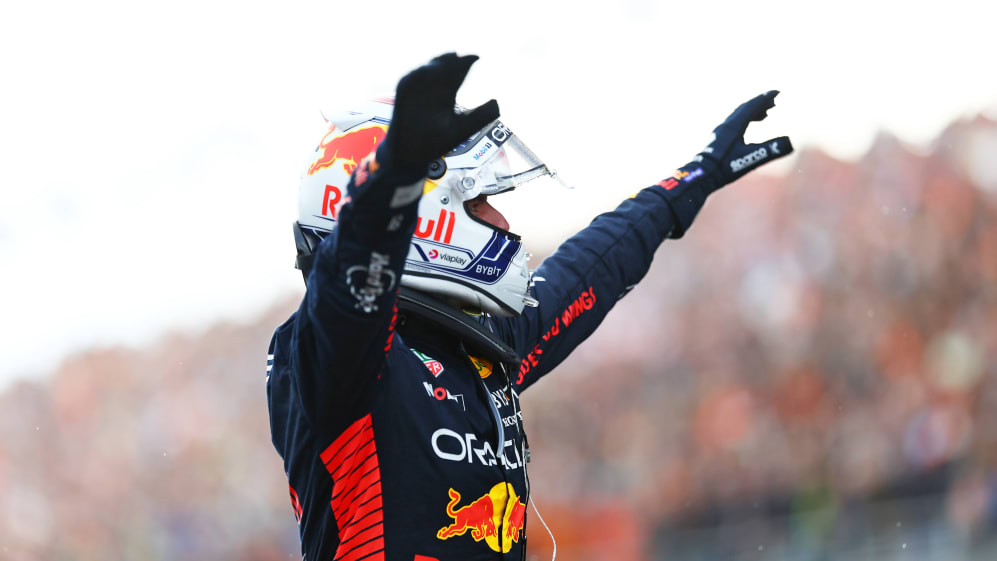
x=397, y=442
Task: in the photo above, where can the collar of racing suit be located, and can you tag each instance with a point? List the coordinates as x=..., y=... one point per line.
x=418, y=310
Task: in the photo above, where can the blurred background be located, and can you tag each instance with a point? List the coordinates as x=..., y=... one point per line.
x=810, y=374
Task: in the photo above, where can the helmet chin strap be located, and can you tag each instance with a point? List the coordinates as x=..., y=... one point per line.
x=476, y=337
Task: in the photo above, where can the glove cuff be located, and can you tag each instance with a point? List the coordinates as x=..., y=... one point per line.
x=686, y=191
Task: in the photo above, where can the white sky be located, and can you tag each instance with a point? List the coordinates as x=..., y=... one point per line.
x=149, y=154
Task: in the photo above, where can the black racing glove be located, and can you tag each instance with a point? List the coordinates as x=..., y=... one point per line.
x=723, y=161
x=424, y=127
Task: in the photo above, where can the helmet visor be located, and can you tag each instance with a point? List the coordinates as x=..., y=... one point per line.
x=493, y=161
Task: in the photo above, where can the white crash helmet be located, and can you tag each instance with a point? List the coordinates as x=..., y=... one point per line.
x=453, y=255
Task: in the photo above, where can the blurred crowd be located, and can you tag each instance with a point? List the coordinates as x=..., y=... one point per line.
x=816, y=344
x=161, y=454
x=811, y=370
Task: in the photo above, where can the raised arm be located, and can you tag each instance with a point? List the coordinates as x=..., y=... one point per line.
x=592, y=270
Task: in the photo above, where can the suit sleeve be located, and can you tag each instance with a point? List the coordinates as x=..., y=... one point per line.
x=345, y=324
x=588, y=274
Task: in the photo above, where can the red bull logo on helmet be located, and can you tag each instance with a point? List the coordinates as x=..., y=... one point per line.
x=497, y=518
x=347, y=148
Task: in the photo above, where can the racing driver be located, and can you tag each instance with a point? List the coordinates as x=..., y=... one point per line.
x=394, y=389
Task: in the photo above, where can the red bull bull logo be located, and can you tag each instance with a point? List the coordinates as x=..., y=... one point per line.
x=517, y=518
x=499, y=509
x=347, y=148
x=478, y=517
